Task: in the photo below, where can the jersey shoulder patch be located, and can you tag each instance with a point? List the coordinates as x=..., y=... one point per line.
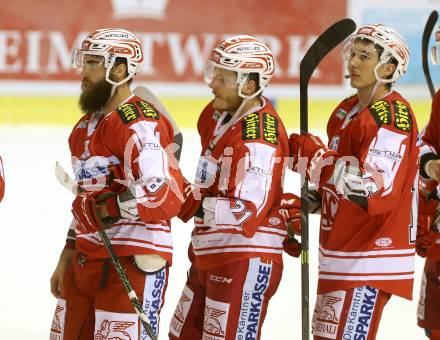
x=147, y=110
x=128, y=112
x=402, y=117
x=381, y=112
x=270, y=128
x=250, y=127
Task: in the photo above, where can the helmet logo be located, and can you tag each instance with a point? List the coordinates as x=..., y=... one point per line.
x=116, y=35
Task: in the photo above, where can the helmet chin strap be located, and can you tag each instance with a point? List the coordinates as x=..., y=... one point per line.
x=113, y=83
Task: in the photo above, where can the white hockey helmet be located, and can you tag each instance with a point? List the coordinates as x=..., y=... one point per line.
x=244, y=55
x=435, y=50
x=111, y=43
x=392, y=43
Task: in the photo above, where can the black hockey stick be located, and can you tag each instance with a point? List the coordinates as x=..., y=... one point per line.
x=327, y=41
x=66, y=181
x=430, y=23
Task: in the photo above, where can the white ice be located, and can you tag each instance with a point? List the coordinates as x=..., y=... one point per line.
x=34, y=218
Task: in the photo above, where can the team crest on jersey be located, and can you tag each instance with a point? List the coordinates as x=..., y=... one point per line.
x=381, y=111
x=270, y=128
x=128, y=112
x=148, y=111
x=402, y=117
x=251, y=127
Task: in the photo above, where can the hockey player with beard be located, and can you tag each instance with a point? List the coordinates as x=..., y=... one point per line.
x=366, y=177
x=120, y=148
x=428, y=228
x=237, y=243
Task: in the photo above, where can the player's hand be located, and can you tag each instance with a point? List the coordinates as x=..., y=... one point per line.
x=432, y=168
x=306, y=152
x=292, y=247
x=96, y=210
x=56, y=281
x=290, y=209
x=426, y=237
x=193, y=197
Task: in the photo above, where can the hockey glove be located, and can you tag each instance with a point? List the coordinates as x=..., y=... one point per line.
x=96, y=210
x=292, y=247
x=192, y=205
x=290, y=209
x=309, y=156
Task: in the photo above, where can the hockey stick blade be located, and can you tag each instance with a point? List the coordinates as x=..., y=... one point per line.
x=69, y=183
x=65, y=180
x=429, y=26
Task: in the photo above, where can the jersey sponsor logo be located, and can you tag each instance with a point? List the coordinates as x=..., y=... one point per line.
x=148, y=111
x=258, y=280
x=215, y=320
x=128, y=112
x=206, y=171
x=360, y=313
x=219, y=279
x=270, y=128
x=334, y=143
x=181, y=311
x=381, y=111
x=82, y=125
x=401, y=115
x=251, y=127
x=153, y=300
x=389, y=154
x=341, y=114
x=154, y=185
x=383, y=242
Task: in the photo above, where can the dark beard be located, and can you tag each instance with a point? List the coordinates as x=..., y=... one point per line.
x=95, y=97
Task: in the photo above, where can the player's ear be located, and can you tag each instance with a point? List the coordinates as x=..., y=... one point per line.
x=388, y=70
x=119, y=72
x=250, y=87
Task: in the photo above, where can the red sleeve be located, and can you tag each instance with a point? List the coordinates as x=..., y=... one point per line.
x=145, y=145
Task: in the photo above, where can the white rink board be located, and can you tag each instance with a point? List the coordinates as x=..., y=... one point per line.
x=34, y=218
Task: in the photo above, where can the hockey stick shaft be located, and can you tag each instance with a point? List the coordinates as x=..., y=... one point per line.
x=66, y=181
x=326, y=42
x=429, y=26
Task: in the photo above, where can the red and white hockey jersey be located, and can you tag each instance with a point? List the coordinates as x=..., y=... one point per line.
x=372, y=246
x=431, y=150
x=134, y=136
x=244, y=172
x=2, y=180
